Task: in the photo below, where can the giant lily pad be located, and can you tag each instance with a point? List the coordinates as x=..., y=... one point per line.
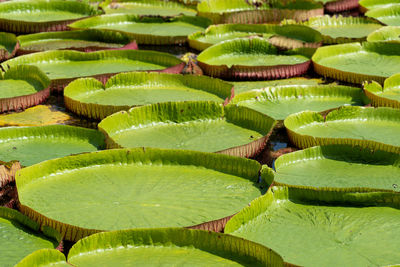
x=356, y=63
x=31, y=145
x=201, y=126
x=90, y=98
x=38, y=16
x=147, y=30
x=8, y=45
x=341, y=230
x=385, y=34
x=375, y=128
x=249, y=12
x=280, y=102
x=334, y=6
x=136, y=188
x=19, y=237
x=283, y=36
x=241, y=87
x=63, y=66
x=86, y=40
x=343, y=29
x=373, y=4
x=23, y=86
x=339, y=167
x=170, y=246
x=148, y=8
x=389, y=15
x=387, y=96
x=252, y=58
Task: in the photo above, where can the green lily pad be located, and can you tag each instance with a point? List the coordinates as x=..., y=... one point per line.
x=373, y=4
x=85, y=40
x=8, y=45
x=149, y=247
x=44, y=257
x=389, y=15
x=304, y=232
x=389, y=34
x=147, y=30
x=201, y=126
x=241, y=87
x=356, y=63
x=374, y=128
x=31, y=145
x=388, y=96
x=38, y=16
x=251, y=12
x=64, y=66
x=148, y=8
x=23, y=86
x=90, y=98
x=19, y=237
x=339, y=167
x=136, y=188
x=284, y=36
x=253, y=58
x=280, y=102
x=340, y=29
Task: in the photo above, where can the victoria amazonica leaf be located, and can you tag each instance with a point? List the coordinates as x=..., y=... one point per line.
x=387, y=96
x=241, y=87
x=340, y=29
x=136, y=188
x=329, y=233
x=148, y=8
x=389, y=15
x=356, y=63
x=8, y=45
x=373, y=4
x=31, y=145
x=63, y=66
x=43, y=258
x=20, y=236
x=201, y=126
x=147, y=30
x=284, y=36
x=281, y=101
x=90, y=98
x=385, y=34
x=339, y=167
x=251, y=58
x=375, y=128
x=40, y=15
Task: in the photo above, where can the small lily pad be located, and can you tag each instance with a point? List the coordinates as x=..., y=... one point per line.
x=387, y=96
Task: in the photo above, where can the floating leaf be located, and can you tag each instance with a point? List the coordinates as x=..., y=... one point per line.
x=8, y=45
x=389, y=15
x=389, y=34
x=44, y=257
x=388, y=96
x=374, y=128
x=90, y=98
x=137, y=188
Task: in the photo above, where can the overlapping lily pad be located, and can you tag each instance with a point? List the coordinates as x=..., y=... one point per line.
x=90, y=98
x=137, y=188
x=251, y=58
x=147, y=30
x=19, y=236
x=356, y=63
x=31, y=145
x=8, y=45
x=85, y=40
x=339, y=167
x=374, y=128
x=389, y=34
x=283, y=36
x=38, y=16
x=280, y=102
x=63, y=66
x=44, y=257
x=389, y=15
x=387, y=96
x=148, y=8
x=334, y=6
x=340, y=29
x=249, y=12
x=171, y=246
x=201, y=126
x=241, y=87
x=345, y=229
x=23, y=86
x=373, y=4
